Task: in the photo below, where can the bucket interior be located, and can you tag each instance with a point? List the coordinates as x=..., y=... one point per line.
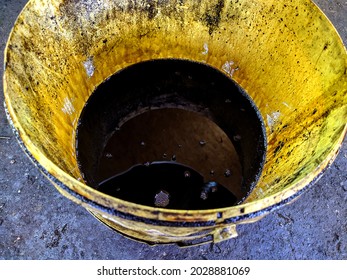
x=170, y=113
x=286, y=56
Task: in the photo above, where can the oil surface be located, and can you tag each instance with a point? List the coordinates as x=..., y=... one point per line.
x=173, y=134
x=169, y=185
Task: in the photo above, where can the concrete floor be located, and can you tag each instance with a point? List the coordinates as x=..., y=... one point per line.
x=36, y=222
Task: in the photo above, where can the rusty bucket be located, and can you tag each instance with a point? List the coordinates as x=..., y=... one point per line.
x=285, y=54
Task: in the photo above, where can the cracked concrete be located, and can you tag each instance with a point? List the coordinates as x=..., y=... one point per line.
x=36, y=222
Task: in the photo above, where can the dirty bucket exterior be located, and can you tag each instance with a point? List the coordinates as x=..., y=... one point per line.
x=286, y=55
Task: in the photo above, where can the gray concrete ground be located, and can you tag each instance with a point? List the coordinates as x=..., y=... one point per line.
x=36, y=222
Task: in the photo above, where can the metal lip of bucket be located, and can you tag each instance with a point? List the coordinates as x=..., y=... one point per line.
x=114, y=212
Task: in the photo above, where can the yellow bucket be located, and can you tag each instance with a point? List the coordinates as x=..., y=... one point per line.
x=285, y=54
